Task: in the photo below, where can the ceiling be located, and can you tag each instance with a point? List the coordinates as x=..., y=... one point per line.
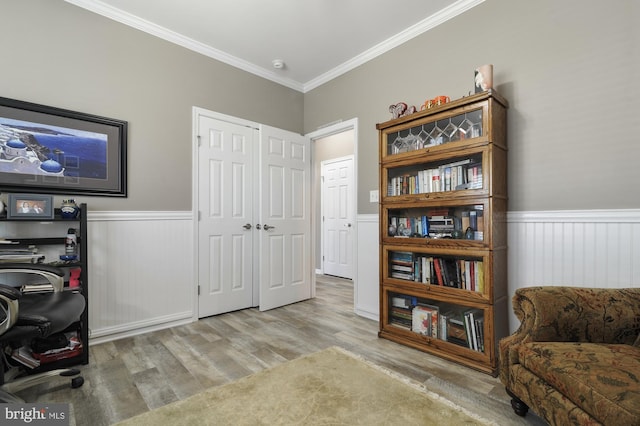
x=317, y=40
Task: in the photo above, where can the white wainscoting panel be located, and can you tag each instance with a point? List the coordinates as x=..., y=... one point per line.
x=367, y=285
x=594, y=248
x=140, y=272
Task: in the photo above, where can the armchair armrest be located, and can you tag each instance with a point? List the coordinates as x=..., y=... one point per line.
x=571, y=314
x=54, y=275
x=9, y=297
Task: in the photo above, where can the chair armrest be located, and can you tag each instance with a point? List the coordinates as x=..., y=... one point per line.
x=9, y=307
x=571, y=314
x=54, y=275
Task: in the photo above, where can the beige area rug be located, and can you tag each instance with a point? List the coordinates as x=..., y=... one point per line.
x=330, y=387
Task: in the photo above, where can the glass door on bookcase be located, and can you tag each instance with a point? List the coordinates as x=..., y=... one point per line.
x=437, y=176
x=458, y=272
x=433, y=131
x=457, y=222
x=458, y=324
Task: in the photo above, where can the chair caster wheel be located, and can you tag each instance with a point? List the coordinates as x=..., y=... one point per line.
x=76, y=382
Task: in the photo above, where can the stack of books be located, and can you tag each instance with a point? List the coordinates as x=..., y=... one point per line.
x=26, y=255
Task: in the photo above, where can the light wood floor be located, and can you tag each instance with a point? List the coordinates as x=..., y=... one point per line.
x=133, y=375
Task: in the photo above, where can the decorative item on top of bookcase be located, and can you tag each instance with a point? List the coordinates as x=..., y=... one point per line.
x=443, y=280
x=483, y=77
x=401, y=109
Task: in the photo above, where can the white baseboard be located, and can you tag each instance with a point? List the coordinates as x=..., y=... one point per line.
x=109, y=334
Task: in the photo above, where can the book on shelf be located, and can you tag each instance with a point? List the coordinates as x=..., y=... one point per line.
x=456, y=332
x=425, y=320
x=474, y=320
x=441, y=271
x=479, y=324
x=442, y=325
x=401, y=317
x=21, y=255
x=402, y=276
x=462, y=174
x=438, y=272
x=401, y=265
x=468, y=321
x=24, y=356
x=438, y=225
x=401, y=301
x=479, y=274
x=426, y=270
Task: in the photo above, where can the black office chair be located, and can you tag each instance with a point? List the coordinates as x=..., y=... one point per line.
x=29, y=317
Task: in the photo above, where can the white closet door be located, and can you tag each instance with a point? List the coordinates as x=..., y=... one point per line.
x=286, y=266
x=225, y=229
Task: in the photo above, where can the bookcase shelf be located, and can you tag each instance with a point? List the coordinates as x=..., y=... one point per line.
x=48, y=236
x=443, y=242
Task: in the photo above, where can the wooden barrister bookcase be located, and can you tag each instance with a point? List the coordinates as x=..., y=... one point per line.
x=443, y=239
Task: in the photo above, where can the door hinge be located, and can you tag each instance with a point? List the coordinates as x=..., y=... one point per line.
x=198, y=289
x=199, y=140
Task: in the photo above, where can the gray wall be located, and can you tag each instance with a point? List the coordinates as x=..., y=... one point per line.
x=570, y=71
x=57, y=54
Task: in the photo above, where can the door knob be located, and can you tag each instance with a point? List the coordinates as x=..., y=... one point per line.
x=247, y=226
x=267, y=227
x=348, y=225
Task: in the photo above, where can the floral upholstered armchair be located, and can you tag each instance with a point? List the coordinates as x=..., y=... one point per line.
x=576, y=357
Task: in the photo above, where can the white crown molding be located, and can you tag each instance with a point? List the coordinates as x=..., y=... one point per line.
x=133, y=21
x=413, y=31
x=573, y=216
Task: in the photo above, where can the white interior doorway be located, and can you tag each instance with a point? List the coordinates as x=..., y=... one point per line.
x=342, y=138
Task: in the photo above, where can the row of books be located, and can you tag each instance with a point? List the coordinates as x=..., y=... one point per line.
x=439, y=226
x=449, y=177
x=461, y=327
x=442, y=271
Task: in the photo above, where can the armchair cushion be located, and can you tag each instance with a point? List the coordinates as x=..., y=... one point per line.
x=602, y=379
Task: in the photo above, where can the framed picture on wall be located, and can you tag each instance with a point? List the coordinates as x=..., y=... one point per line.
x=51, y=150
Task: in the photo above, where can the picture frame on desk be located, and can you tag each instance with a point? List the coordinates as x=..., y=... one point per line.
x=30, y=206
x=49, y=150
